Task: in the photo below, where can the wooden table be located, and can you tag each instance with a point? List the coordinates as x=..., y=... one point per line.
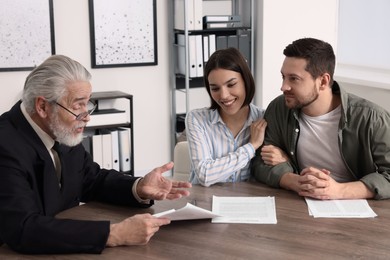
x=296, y=235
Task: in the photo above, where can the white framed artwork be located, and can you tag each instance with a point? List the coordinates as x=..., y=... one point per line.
x=123, y=33
x=26, y=33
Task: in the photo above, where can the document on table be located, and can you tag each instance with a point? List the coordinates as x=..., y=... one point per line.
x=188, y=212
x=340, y=208
x=250, y=210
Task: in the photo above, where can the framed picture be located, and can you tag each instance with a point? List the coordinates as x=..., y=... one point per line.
x=26, y=33
x=123, y=33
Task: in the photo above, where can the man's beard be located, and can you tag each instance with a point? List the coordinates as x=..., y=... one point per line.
x=307, y=100
x=63, y=134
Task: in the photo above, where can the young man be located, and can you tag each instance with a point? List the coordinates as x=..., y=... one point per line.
x=338, y=143
x=37, y=180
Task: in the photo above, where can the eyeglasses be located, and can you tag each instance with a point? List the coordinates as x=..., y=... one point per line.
x=90, y=108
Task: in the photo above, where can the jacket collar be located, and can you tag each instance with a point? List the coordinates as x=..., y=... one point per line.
x=25, y=130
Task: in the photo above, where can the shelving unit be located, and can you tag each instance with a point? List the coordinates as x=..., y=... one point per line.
x=122, y=101
x=182, y=82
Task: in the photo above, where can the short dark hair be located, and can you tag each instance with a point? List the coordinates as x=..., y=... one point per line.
x=230, y=59
x=318, y=54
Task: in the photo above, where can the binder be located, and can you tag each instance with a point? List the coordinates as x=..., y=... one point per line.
x=221, y=18
x=107, y=117
x=232, y=41
x=114, y=148
x=97, y=148
x=198, y=12
x=194, y=14
x=106, y=150
x=192, y=45
x=179, y=21
x=206, y=48
x=222, y=25
x=124, y=149
x=244, y=47
x=199, y=55
x=221, y=42
x=212, y=44
x=181, y=55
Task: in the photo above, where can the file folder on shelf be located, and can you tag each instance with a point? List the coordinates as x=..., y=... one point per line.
x=222, y=25
x=193, y=55
x=244, y=47
x=106, y=150
x=212, y=44
x=232, y=41
x=111, y=138
x=107, y=117
x=194, y=14
x=206, y=48
x=193, y=58
x=181, y=54
x=198, y=12
x=199, y=55
x=221, y=18
x=97, y=147
x=115, y=149
x=179, y=19
x=124, y=149
x=221, y=42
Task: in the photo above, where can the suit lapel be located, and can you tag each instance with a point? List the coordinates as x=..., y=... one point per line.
x=50, y=192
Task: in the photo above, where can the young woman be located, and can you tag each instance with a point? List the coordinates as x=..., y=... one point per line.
x=224, y=137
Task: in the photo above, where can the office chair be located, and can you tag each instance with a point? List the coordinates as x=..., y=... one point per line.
x=181, y=159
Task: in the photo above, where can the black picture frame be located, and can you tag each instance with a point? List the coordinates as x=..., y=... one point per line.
x=123, y=33
x=26, y=34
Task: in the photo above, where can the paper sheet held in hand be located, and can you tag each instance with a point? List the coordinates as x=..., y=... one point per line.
x=188, y=212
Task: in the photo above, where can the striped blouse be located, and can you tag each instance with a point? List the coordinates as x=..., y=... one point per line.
x=216, y=156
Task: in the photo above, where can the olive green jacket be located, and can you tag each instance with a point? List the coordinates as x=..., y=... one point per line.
x=364, y=141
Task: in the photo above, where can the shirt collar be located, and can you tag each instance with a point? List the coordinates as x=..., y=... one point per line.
x=46, y=139
x=216, y=117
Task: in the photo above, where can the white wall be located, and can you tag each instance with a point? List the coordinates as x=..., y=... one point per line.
x=279, y=23
x=363, y=33
x=364, y=54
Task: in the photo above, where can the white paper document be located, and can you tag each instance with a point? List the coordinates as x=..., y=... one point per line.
x=250, y=210
x=188, y=212
x=340, y=208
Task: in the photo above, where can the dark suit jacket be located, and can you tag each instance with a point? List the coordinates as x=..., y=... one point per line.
x=30, y=196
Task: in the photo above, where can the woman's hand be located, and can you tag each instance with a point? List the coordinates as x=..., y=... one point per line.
x=257, y=133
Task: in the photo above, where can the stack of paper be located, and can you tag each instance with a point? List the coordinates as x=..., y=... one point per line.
x=251, y=210
x=340, y=208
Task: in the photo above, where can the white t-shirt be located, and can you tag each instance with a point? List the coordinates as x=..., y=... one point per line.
x=318, y=144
